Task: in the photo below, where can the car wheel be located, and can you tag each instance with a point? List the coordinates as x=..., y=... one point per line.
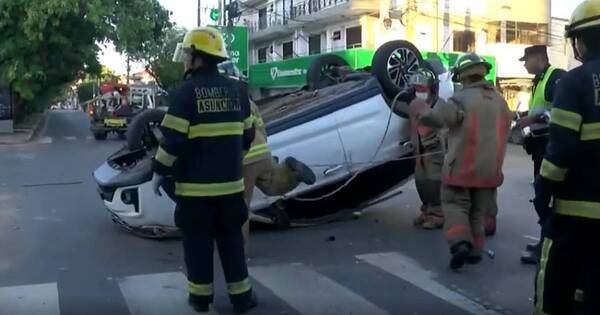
x=393, y=63
x=323, y=71
x=144, y=130
x=100, y=135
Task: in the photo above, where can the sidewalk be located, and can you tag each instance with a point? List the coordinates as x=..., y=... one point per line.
x=25, y=130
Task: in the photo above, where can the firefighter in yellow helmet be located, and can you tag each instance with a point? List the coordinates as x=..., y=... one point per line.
x=567, y=190
x=261, y=169
x=207, y=130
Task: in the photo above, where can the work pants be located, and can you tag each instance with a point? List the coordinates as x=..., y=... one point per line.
x=464, y=210
x=568, y=274
x=202, y=222
x=428, y=180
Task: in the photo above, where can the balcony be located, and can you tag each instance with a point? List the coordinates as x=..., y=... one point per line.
x=329, y=11
x=251, y=3
x=268, y=27
x=310, y=13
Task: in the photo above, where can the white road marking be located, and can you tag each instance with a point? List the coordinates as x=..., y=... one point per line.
x=44, y=140
x=32, y=299
x=311, y=293
x=71, y=138
x=533, y=238
x=157, y=294
x=407, y=269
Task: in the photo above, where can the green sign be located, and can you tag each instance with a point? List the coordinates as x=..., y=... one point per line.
x=292, y=72
x=236, y=39
x=214, y=14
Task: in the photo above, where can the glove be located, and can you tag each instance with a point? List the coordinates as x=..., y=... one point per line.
x=543, y=196
x=157, y=181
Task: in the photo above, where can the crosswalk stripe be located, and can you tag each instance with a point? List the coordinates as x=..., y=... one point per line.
x=311, y=293
x=157, y=294
x=29, y=300
x=407, y=269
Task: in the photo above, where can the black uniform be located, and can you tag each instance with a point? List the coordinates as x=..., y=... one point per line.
x=206, y=131
x=570, y=173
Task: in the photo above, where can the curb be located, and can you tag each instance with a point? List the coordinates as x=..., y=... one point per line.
x=31, y=133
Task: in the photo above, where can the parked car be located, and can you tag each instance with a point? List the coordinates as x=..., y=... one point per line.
x=345, y=130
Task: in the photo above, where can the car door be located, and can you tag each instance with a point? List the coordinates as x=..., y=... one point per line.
x=313, y=140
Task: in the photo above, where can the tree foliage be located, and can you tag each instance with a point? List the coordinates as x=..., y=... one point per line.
x=160, y=60
x=47, y=45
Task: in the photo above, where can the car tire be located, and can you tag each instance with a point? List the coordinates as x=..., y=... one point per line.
x=315, y=76
x=391, y=64
x=139, y=127
x=100, y=135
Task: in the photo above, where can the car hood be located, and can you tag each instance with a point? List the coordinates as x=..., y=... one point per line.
x=124, y=168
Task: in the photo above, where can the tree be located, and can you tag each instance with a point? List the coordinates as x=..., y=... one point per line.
x=49, y=44
x=160, y=60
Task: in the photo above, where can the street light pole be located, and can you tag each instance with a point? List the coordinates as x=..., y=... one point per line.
x=199, y=13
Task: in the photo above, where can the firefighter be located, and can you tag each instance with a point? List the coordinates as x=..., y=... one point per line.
x=207, y=131
x=540, y=104
x=478, y=119
x=263, y=171
x=427, y=143
x=569, y=178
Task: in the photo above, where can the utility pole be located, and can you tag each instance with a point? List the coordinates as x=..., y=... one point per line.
x=199, y=13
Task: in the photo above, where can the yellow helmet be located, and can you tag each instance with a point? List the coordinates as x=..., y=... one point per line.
x=585, y=16
x=203, y=39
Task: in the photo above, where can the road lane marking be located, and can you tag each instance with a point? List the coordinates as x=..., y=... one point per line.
x=71, y=138
x=407, y=269
x=311, y=293
x=32, y=299
x=157, y=294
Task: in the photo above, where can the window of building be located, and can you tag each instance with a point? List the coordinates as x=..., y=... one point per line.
x=354, y=37
x=314, y=44
x=262, y=18
x=337, y=35
x=262, y=55
x=520, y=33
x=464, y=41
x=288, y=50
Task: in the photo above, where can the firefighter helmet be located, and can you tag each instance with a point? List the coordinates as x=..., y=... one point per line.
x=585, y=16
x=468, y=64
x=207, y=40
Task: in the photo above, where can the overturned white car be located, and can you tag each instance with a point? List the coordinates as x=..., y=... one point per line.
x=343, y=128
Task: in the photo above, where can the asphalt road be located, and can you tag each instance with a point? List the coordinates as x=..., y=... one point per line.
x=61, y=254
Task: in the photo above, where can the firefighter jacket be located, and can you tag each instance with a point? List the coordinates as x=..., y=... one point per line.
x=206, y=131
x=572, y=157
x=478, y=121
x=259, y=149
x=428, y=143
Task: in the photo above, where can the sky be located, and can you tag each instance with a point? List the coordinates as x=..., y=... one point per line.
x=185, y=14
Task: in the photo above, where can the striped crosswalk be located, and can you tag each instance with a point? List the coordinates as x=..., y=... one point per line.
x=307, y=290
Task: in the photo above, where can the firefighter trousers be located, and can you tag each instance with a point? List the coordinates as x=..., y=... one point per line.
x=428, y=180
x=464, y=211
x=568, y=274
x=202, y=222
x=271, y=178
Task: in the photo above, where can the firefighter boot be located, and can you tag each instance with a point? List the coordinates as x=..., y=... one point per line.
x=433, y=222
x=532, y=257
x=460, y=252
x=532, y=247
x=250, y=304
x=474, y=259
x=302, y=171
x=490, y=225
x=419, y=220
x=198, y=306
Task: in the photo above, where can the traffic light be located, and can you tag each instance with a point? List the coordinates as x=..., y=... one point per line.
x=214, y=14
